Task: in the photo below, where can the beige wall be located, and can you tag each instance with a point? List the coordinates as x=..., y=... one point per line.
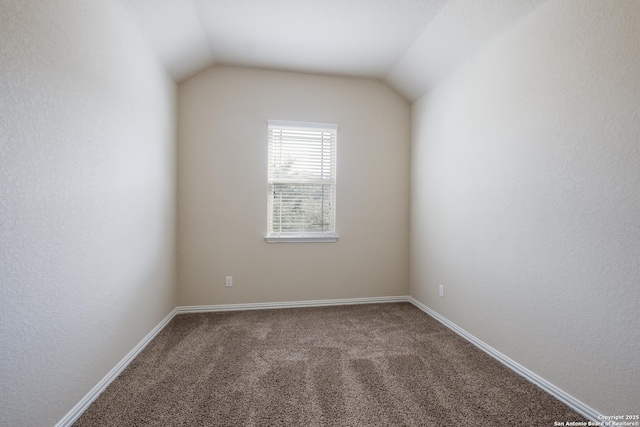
x=87, y=186
x=222, y=200
x=526, y=198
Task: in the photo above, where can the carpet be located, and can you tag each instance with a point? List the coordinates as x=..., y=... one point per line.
x=359, y=365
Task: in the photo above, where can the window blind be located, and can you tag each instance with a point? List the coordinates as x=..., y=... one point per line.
x=302, y=179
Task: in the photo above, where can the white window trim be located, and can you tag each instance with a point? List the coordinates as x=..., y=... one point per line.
x=304, y=237
x=317, y=125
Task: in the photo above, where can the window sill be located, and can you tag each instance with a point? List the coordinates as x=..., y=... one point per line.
x=301, y=239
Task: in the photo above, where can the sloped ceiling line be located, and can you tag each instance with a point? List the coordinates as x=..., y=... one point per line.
x=410, y=44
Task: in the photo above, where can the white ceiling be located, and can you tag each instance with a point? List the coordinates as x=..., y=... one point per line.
x=409, y=43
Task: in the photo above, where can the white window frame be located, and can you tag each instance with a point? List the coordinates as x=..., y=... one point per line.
x=301, y=237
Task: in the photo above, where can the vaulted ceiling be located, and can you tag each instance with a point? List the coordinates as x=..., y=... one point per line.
x=409, y=43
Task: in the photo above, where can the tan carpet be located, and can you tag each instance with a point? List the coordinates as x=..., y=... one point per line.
x=362, y=365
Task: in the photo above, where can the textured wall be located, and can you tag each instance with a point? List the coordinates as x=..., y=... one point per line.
x=526, y=198
x=222, y=189
x=87, y=179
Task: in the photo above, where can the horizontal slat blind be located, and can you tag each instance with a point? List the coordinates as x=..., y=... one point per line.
x=302, y=179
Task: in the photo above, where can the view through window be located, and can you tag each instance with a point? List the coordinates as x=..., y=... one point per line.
x=302, y=181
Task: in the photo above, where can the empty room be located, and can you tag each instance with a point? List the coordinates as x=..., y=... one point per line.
x=309, y=213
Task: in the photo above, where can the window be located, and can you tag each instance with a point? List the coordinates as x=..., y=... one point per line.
x=302, y=182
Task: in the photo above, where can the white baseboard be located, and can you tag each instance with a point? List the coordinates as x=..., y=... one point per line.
x=75, y=412
x=289, y=304
x=556, y=392
x=559, y=394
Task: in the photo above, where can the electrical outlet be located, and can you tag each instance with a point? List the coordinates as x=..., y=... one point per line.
x=229, y=281
x=441, y=290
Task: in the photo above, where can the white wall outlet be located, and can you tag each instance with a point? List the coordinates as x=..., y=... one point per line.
x=441, y=290
x=229, y=281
